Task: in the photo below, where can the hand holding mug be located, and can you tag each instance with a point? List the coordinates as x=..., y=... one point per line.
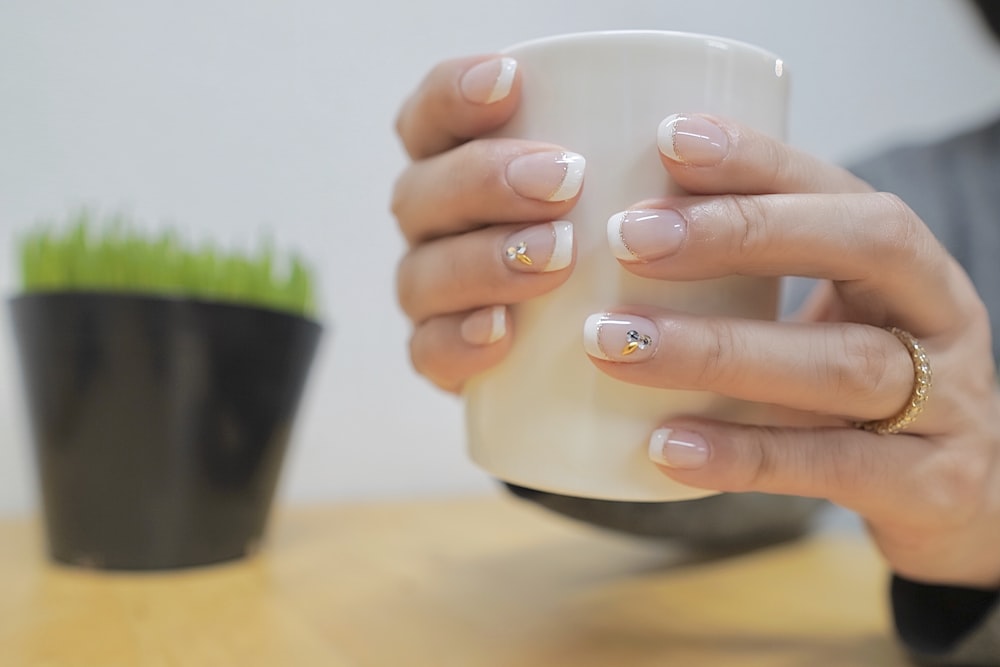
x=753, y=206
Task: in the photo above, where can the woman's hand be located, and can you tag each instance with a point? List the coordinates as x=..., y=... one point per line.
x=465, y=205
x=931, y=494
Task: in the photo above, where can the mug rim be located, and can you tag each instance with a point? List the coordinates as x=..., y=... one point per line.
x=681, y=35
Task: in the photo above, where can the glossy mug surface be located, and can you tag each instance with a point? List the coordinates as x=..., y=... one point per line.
x=546, y=418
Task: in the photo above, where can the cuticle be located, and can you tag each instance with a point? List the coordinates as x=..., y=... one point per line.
x=687, y=230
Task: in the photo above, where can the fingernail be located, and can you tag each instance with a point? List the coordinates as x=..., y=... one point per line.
x=616, y=337
x=489, y=81
x=643, y=235
x=678, y=449
x=692, y=140
x=484, y=326
x=549, y=176
x=541, y=248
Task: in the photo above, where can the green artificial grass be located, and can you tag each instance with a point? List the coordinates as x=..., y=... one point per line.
x=112, y=256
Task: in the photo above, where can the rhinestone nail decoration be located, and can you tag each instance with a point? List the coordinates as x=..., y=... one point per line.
x=519, y=253
x=635, y=341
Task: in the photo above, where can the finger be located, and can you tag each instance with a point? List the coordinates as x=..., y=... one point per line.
x=484, y=182
x=495, y=265
x=889, y=268
x=899, y=479
x=450, y=349
x=458, y=100
x=853, y=371
x=709, y=155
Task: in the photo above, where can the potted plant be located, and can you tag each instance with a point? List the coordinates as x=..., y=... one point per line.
x=161, y=383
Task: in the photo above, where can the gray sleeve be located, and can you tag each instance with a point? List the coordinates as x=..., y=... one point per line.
x=952, y=186
x=945, y=625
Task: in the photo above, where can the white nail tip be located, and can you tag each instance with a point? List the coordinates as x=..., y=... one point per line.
x=657, y=441
x=505, y=80
x=615, y=239
x=573, y=179
x=592, y=333
x=562, y=249
x=498, y=325
x=665, y=136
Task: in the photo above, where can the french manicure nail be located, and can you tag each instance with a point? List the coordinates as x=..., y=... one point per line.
x=643, y=235
x=678, y=449
x=541, y=248
x=547, y=176
x=489, y=81
x=692, y=140
x=484, y=326
x=615, y=337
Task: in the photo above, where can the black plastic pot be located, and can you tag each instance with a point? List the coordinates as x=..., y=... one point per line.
x=160, y=424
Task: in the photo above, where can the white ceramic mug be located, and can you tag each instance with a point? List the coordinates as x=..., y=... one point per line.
x=546, y=418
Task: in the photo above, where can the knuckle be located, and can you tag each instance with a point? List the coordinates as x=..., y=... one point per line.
x=418, y=358
x=846, y=468
x=903, y=232
x=422, y=348
x=404, y=292
x=488, y=159
x=814, y=465
x=779, y=165
x=409, y=285
x=453, y=273
x=484, y=165
x=975, y=319
x=857, y=368
x=411, y=123
x=895, y=205
x=399, y=125
x=490, y=282
x=760, y=464
x=722, y=348
x=398, y=204
x=423, y=360
x=444, y=76
x=409, y=204
x=749, y=217
x=450, y=269
x=467, y=178
x=979, y=315
x=760, y=468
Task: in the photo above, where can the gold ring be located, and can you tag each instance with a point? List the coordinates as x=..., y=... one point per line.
x=921, y=389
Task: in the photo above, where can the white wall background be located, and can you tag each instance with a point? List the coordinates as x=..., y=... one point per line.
x=228, y=118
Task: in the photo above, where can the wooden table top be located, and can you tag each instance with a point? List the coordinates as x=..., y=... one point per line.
x=467, y=582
